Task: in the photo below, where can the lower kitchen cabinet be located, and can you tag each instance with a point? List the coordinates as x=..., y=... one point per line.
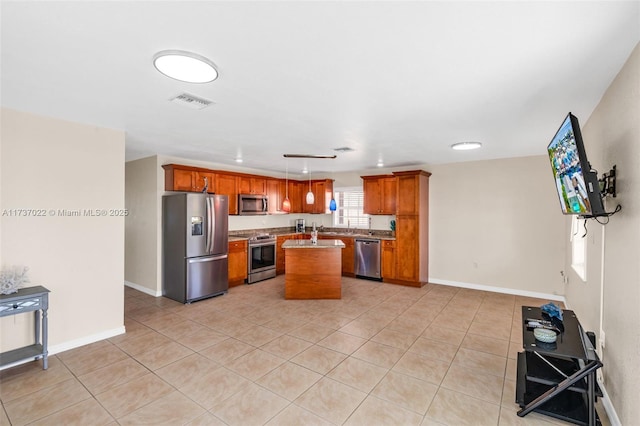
x=388, y=259
x=348, y=257
x=348, y=253
x=237, y=262
x=280, y=251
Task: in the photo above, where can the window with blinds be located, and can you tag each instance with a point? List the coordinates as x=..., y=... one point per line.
x=349, y=204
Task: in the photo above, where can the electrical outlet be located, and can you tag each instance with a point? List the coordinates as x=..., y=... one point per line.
x=602, y=341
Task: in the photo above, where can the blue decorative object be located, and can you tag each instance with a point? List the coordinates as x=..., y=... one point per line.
x=332, y=205
x=552, y=310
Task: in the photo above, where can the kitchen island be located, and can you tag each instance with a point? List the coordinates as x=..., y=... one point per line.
x=313, y=271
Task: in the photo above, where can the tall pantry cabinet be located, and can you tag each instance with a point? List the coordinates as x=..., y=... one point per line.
x=412, y=227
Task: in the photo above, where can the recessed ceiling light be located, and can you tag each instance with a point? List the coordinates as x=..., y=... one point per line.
x=238, y=160
x=185, y=66
x=464, y=146
x=380, y=163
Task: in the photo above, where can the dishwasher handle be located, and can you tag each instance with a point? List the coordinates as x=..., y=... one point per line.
x=368, y=241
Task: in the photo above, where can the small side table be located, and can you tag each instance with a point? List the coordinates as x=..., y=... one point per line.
x=558, y=379
x=30, y=299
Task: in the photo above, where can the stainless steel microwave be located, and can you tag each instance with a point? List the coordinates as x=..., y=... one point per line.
x=249, y=204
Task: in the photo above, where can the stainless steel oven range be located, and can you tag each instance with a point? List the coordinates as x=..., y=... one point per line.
x=261, y=258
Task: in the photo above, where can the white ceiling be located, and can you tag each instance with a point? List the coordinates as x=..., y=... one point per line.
x=397, y=81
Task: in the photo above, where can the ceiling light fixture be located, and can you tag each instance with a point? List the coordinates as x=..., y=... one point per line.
x=286, y=204
x=309, y=156
x=239, y=160
x=185, y=66
x=380, y=163
x=310, y=197
x=465, y=146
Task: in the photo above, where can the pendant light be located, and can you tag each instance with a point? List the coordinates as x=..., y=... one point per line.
x=310, y=197
x=286, y=204
x=332, y=203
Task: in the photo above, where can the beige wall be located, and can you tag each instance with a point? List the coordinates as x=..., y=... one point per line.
x=496, y=223
x=57, y=165
x=612, y=136
x=141, y=225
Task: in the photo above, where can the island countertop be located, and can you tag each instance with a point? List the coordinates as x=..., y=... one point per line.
x=306, y=244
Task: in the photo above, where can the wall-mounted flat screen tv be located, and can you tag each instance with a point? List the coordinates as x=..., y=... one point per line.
x=576, y=183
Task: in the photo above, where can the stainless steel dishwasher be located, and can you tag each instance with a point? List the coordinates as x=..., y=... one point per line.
x=368, y=259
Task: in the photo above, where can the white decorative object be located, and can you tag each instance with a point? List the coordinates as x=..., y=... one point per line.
x=545, y=335
x=11, y=279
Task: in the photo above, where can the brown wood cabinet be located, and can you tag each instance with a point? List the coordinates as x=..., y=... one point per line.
x=189, y=179
x=276, y=191
x=253, y=185
x=296, y=195
x=280, y=251
x=238, y=271
x=348, y=256
x=348, y=253
x=379, y=194
x=408, y=193
x=227, y=184
x=412, y=228
x=388, y=260
x=322, y=192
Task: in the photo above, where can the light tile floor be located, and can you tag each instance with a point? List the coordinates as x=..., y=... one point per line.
x=382, y=355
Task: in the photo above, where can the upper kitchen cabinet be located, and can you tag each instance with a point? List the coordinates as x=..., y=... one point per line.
x=227, y=184
x=253, y=185
x=412, y=191
x=322, y=192
x=296, y=195
x=379, y=194
x=184, y=178
x=276, y=192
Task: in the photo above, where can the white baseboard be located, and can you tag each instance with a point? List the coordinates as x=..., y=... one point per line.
x=608, y=406
x=143, y=289
x=72, y=344
x=493, y=289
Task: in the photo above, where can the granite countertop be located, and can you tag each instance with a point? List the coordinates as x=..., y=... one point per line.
x=333, y=234
x=322, y=244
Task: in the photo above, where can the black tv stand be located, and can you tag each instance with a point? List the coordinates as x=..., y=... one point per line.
x=558, y=379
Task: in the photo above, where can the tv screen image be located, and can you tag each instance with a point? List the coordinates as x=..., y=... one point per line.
x=576, y=184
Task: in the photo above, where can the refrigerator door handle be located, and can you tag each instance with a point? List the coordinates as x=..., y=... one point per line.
x=212, y=224
x=207, y=259
x=209, y=230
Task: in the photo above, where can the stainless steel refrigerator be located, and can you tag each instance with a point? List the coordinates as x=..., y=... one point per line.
x=195, y=241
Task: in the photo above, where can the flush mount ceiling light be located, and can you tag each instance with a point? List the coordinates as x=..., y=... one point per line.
x=185, y=66
x=465, y=146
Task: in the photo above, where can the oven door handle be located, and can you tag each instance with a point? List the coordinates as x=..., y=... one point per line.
x=270, y=243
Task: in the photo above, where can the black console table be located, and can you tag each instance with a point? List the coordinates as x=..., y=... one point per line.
x=558, y=379
x=30, y=299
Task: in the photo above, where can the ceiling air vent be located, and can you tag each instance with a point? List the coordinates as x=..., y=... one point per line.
x=191, y=101
x=343, y=149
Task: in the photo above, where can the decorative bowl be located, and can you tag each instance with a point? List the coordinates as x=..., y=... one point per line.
x=545, y=335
